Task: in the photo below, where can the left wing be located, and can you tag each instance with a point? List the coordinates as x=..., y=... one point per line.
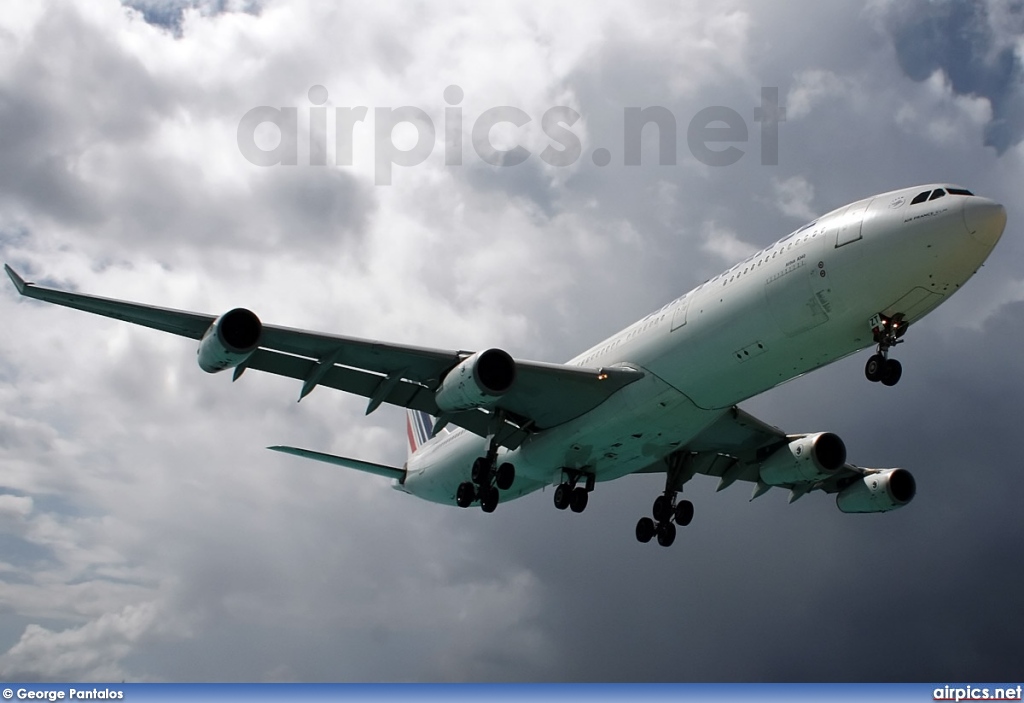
x=542, y=395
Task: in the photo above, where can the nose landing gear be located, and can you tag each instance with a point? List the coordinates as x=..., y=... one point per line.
x=887, y=333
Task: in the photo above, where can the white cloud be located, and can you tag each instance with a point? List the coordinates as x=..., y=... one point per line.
x=814, y=87
x=941, y=115
x=794, y=197
x=90, y=652
x=140, y=505
x=724, y=243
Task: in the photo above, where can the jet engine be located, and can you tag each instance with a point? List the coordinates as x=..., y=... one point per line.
x=231, y=339
x=878, y=492
x=478, y=382
x=806, y=458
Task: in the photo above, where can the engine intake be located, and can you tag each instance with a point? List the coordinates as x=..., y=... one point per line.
x=806, y=458
x=878, y=492
x=478, y=381
x=231, y=339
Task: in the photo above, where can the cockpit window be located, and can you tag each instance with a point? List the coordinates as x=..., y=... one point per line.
x=920, y=197
x=937, y=193
x=958, y=191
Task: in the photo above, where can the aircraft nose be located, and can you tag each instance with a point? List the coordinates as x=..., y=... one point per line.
x=985, y=220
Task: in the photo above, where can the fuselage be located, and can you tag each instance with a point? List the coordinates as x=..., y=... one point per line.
x=795, y=306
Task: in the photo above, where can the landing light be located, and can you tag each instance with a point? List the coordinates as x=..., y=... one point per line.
x=602, y=376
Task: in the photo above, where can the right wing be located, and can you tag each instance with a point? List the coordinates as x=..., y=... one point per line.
x=542, y=396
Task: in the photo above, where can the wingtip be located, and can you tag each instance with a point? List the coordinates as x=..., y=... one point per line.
x=19, y=282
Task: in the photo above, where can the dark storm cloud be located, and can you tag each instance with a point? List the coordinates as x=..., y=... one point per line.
x=766, y=591
x=958, y=37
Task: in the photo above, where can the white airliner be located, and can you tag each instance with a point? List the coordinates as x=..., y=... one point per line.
x=659, y=396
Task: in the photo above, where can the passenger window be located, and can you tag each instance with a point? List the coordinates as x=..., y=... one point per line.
x=937, y=194
x=920, y=197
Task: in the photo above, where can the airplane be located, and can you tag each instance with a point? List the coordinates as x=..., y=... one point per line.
x=658, y=397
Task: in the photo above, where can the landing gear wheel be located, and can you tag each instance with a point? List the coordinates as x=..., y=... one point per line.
x=489, y=499
x=684, y=513
x=662, y=508
x=645, y=530
x=666, y=533
x=480, y=471
x=506, y=476
x=874, y=369
x=466, y=494
x=578, y=501
x=892, y=371
x=563, y=495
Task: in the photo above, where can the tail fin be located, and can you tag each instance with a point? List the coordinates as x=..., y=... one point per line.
x=419, y=428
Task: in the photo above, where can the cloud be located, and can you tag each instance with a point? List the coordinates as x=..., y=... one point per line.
x=170, y=14
x=725, y=244
x=148, y=535
x=90, y=652
x=794, y=197
x=975, y=45
x=812, y=87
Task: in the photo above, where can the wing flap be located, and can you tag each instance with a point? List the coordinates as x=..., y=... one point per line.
x=404, y=394
x=421, y=364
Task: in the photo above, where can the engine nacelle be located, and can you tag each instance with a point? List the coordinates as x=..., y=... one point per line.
x=878, y=492
x=807, y=458
x=231, y=339
x=478, y=382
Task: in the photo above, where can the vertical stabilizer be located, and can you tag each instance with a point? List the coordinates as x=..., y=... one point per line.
x=419, y=428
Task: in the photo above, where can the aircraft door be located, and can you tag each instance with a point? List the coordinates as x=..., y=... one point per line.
x=850, y=222
x=679, y=314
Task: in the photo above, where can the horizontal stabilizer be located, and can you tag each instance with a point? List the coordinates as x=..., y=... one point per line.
x=368, y=467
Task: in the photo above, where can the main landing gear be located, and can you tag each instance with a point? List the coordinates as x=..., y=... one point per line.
x=487, y=478
x=667, y=511
x=888, y=332
x=667, y=514
x=570, y=495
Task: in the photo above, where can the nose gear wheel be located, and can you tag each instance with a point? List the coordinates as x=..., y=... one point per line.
x=888, y=332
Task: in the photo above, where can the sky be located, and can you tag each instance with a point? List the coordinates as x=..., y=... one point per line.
x=147, y=535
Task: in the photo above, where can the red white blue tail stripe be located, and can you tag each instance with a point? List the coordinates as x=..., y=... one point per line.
x=419, y=428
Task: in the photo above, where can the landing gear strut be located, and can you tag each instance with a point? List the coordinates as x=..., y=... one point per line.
x=887, y=333
x=667, y=511
x=486, y=479
x=570, y=495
